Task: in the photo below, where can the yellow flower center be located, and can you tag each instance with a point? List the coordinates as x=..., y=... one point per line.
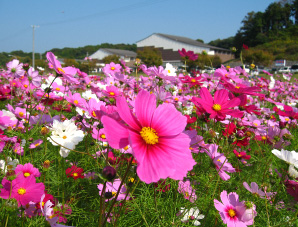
x=126, y=148
x=149, y=135
x=112, y=68
x=187, y=194
x=64, y=137
x=131, y=179
x=21, y=191
x=93, y=114
x=57, y=89
x=112, y=93
x=264, y=138
x=75, y=174
x=27, y=174
x=169, y=71
x=237, y=87
x=176, y=99
x=76, y=102
x=37, y=144
x=42, y=203
x=60, y=70
x=25, y=85
x=216, y=107
x=193, y=80
x=231, y=213
x=9, y=167
x=256, y=124
x=103, y=136
x=114, y=193
x=21, y=114
x=287, y=119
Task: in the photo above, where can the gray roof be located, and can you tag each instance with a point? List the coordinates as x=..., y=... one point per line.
x=119, y=52
x=190, y=41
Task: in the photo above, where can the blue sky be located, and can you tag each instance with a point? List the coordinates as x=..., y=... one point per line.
x=73, y=23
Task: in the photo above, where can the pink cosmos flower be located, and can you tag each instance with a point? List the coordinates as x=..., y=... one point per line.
x=27, y=170
x=254, y=189
x=15, y=68
x=111, y=92
x=219, y=106
x=34, y=77
x=36, y=143
x=188, y=192
x=220, y=162
x=25, y=190
x=68, y=72
x=111, y=190
x=112, y=68
x=232, y=212
x=155, y=136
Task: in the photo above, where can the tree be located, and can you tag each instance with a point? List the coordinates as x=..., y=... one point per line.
x=257, y=57
x=150, y=56
x=223, y=43
x=111, y=58
x=200, y=40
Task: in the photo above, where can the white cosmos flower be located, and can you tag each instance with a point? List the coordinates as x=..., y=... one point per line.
x=291, y=157
x=193, y=215
x=11, y=164
x=272, y=83
x=88, y=95
x=293, y=172
x=66, y=134
x=170, y=69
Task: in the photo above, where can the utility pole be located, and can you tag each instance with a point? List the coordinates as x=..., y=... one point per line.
x=33, y=55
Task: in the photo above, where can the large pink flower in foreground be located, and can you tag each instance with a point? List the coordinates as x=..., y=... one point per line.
x=155, y=136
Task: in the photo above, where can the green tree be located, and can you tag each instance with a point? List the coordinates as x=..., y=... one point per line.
x=257, y=57
x=150, y=56
x=111, y=58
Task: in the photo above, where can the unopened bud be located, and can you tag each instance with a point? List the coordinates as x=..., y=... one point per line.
x=44, y=131
x=109, y=173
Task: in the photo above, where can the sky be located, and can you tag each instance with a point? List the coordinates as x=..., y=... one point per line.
x=74, y=23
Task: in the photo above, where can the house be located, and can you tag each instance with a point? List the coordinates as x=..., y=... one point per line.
x=170, y=44
x=126, y=55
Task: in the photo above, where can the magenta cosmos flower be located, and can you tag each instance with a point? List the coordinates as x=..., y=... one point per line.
x=231, y=210
x=25, y=190
x=155, y=136
x=219, y=106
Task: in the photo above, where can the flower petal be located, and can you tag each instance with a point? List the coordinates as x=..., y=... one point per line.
x=116, y=133
x=145, y=106
x=167, y=121
x=126, y=114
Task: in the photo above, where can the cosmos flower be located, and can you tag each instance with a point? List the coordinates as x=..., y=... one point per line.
x=219, y=106
x=232, y=211
x=191, y=215
x=155, y=136
x=66, y=134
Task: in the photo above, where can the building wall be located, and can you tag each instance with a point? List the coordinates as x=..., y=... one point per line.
x=158, y=41
x=99, y=55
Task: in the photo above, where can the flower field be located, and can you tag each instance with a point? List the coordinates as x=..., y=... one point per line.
x=159, y=149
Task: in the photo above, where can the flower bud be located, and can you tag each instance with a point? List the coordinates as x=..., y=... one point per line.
x=109, y=173
x=44, y=131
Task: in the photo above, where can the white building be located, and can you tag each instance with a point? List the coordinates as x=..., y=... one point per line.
x=126, y=55
x=175, y=43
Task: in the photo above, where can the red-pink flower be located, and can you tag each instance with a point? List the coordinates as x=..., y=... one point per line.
x=219, y=106
x=188, y=54
x=155, y=136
